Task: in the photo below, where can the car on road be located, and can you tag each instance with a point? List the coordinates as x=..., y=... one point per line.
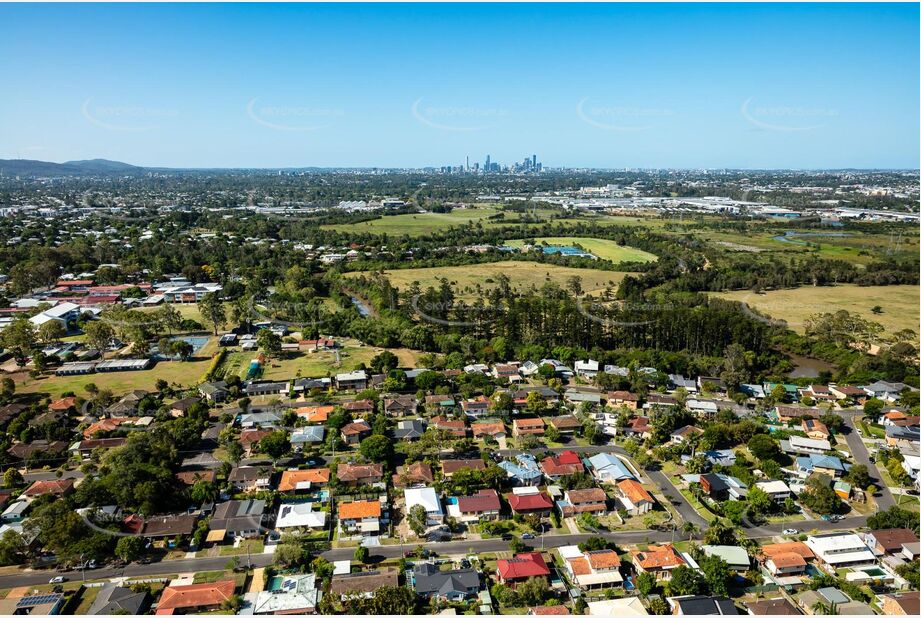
x=527, y=535
x=834, y=518
x=791, y=531
x=59, y=579
x=507, y=537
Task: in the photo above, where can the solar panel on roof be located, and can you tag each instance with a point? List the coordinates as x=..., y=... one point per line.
x=40, y=599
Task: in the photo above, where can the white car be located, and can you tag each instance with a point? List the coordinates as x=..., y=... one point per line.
x=60, y=579
x=790, y=531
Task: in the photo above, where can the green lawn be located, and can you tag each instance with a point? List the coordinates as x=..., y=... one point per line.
x=602, y=248
x=416, y=224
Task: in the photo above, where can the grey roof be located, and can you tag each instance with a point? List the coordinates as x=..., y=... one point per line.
x=833, y=595
x=409, y=429
x=699, y=605
x=429, y=580
x=113, y=598
x=310, y=433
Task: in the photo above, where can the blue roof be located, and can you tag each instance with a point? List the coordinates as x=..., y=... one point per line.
x=611, y=465
x=809, y=462
x=524, y=467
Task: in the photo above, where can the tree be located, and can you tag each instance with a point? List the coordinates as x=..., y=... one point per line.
x=859, y=476
x=19, y=339
x=202, y=492
x=717, y=574
x=417, y=519
x=12, y=548
x=646, y=583
x=764, y=447
x=685, y=580
x=212, y=310
x=658, y=606
x=51, y=331
x=516, y=545
x=720, y=533
x=362, y=554
x=872, y=409
x=690, y=529
x=12, y=478
x=129, y=548
x=893, y=517
x=819, y=496
x=533, y=591
x=376, y=448
x=384, y=362
x=290, y=552
x=759, y=501
x=170, y=318
x=269, y=343
x=99, y=335
x=276, y=444
x=593, y=543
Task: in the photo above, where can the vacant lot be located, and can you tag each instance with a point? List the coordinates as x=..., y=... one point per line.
x=416, y=224
x=521, y=274
x=599, y=247
x=186, y=373
x=899, y=303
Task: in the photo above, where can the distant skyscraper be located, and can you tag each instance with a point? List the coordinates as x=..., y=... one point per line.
x=534, y=161
x=488, y=168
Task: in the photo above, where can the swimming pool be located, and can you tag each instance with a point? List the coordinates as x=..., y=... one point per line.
x=197, y=343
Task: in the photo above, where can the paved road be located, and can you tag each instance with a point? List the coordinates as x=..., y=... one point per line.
x=884, y=499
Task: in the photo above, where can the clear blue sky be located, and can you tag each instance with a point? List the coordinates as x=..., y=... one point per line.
x=676, y=85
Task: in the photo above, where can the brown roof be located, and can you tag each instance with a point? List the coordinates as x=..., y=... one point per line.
x=907, y=601
x=190, y=477
x=350, y=472
x=450, y=466
x=549, y=610
x=359, y=509
x=787, y=560
x=64, y=404
x=364, y=582
x=796, y=547
x=355, y=429
x=593, y=494
x=623, y=396
x=291, y=478
x=565, y=422
x=358, y=406
x=24, y=451
x=488, y=429
x=892, y=539
x=249, y=437
x=415, y=473
x=603, y=559
x=170, y=525
x=195, y=595
x=482, y=501
x=105, y=424
x=528, y=423
x=57, y=487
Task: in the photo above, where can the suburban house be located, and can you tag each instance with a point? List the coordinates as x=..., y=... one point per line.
x=484, y=505
x=352, y=381
x=733, y=555
x=360, y=517
x=359, y=407
x=528, y=427
x=530, y=503
x=237, y=519
x=854, y=393
x=454, y=585
x=639, y=427
x=418, y=473
x=779, y=491
x=364, y=583
x=903, y=604
x=300, y=517
x=360, y=474
x=804, y=446
x=608, y=468
x=633, y=497
x=840, y=549
x=815, y=429
x=826, y=464
x=576, y=501
x=297, y=594
x=251, y=478
x=493, y=429
x=555, y=467
x=700, y=605
x=520, y=568
x=566, y=424
x=890, y=540
x=523, y=470
x=400, y=405
x=626, y=399
x=450, y=466
x=296, y=481
x=427, y=498
x=454, y=428
x=475, y=408
x=658, y=560
x=249, y=439
x=354, y=433
x=195, y=598
x=214, y=392
x=592, y=570
x=683, y=434
x=409, y=429
x=314, y=414
x=786, y=559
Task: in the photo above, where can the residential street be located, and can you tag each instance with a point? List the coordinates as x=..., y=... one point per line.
x=859, y=451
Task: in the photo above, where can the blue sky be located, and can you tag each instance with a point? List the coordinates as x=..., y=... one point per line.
x=672, y=85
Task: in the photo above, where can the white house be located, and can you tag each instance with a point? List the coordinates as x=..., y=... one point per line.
x=63, y=312
x=777, y=490
x=840, y=549
x=428, y=498
x=587, y=368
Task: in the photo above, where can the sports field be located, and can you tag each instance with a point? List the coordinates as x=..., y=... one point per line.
x=899, y=303
x=419, y=224
x=599, y=247
x=522, y=275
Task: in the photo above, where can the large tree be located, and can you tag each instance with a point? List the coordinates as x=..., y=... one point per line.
x=212, y=310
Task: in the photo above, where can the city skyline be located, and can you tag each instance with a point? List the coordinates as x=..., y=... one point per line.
x=603, y=87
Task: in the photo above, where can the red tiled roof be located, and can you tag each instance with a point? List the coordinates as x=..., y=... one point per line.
x=63, y=404
x=482, y=501
x=523, y=566
x=195, y=595
x=55, y=486
x=529, y=502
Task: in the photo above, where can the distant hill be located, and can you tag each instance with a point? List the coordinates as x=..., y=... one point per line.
x=26, y=167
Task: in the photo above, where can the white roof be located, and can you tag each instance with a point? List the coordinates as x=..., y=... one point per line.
x=628, y=606
x=837, y=548
x=352, y=375
x=587, y=365
x=801, y=442
x=773, y=487
x=342, y=567
x=425, y=496
x=300, y=514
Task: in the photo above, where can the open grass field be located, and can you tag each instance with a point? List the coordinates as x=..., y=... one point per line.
x=315, y=364
x=599, y=247
x=522, y=275
x=899, y=303
x=186, y=373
